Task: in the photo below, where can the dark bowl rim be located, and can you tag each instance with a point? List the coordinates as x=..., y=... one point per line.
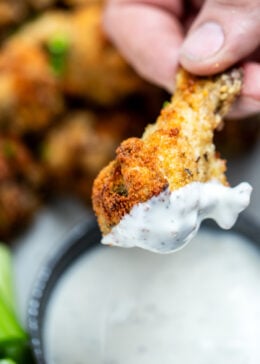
x=83, y=237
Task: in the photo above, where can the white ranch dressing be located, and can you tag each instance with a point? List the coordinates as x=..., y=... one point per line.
x=118, y=306
x=167, y=222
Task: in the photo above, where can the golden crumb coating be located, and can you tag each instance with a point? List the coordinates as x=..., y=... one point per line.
x=17, y=163
x=82, y=2
x=20, y=182
x=95, y=68
x=29, y=94
x=87, y=66
x=178, y=149
x=12, y=11
x=41, y=4
x=84, y=142
x=18, y=204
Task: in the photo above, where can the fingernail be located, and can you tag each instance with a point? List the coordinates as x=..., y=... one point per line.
x=203, y=42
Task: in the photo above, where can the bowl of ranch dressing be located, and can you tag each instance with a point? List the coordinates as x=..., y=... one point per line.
x=94, y=304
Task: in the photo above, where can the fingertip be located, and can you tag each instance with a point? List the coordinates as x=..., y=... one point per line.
x=148, y=38
x=203, y=68
x=221, y=35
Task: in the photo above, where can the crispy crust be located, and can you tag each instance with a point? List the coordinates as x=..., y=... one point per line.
x=20, y=182
x=83, y=142
x=29, y=95
x=93, y=68
x=175, y=151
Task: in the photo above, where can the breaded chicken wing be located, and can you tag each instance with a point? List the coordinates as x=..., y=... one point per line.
x=29, y=94
x=83, y=143
x=82, y=2
x=17, y=163
x=173, y=153
x=18, y=204
x=41, y=4
x=11, y=12
x=85, y=63
x=20, y=182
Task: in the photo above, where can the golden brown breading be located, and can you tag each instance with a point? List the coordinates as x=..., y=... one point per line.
x=83, y=143
x=41, y=4
x=91, y=67
x=82, y=2
x=17, y=163
x=95, y=69
x=15, y=12
x=20, y=180
x=29, y=94
x=12, y=11
x=18, y=204
x=173, y=152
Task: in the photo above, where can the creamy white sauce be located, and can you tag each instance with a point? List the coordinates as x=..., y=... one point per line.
x=167, y=222
x=200, y=305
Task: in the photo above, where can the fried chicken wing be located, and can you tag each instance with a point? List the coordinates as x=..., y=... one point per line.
x=18, y=204
x=20, y=182
x=41, y=4
x=83, y=143
x=29, y=94
x=15, y=12
x=173, y=153
x=11, y=12
x=82, y=2
x=86, y=65
x=17, y=163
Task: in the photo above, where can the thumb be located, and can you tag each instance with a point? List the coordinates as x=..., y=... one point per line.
x=225, y=32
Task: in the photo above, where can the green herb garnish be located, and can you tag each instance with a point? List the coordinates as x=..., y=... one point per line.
x=58, y=47
x=166, y=103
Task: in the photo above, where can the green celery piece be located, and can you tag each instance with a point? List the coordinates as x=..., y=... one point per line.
x=7, y=361
x=6, y=277
x=9, y=326
x=14, y=341
x=17, y=350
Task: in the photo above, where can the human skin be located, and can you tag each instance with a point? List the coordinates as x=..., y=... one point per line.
x=205, y=37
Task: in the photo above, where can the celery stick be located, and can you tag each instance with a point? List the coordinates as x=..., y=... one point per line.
x=14, y=341
x=17, y=350
x=6, y=278
x=9, y=327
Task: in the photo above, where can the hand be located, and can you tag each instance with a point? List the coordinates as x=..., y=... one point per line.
x=206, y=37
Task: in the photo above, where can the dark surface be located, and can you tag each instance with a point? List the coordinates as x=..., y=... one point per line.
x=81, y=239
